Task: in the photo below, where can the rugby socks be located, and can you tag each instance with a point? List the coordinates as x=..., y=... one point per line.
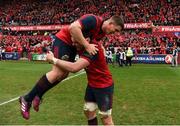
x=93, y=121
x=40, y=88
x=49, y=86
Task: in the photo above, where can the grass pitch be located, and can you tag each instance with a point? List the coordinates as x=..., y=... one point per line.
x=144, y=94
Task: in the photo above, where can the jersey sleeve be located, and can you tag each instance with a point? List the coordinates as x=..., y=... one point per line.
x=88, y=57
x=88, y=23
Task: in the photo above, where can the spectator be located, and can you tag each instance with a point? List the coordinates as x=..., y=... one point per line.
x=175, y=57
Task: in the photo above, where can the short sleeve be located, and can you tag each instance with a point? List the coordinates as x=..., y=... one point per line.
x=89, y=57
x=88, y=23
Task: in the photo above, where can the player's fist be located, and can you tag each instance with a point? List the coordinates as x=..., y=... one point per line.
x=49, y=57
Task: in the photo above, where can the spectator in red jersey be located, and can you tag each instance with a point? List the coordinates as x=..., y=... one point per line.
x=57, y=12
x=8, y=48
x=88, y=27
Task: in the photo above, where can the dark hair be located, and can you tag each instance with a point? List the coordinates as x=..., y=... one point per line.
x=118, y=20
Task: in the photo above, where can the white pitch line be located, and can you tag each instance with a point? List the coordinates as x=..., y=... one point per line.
x=8, y=101
x=70, y=77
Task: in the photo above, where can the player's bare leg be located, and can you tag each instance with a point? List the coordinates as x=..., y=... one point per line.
x=45, y=83
x=55, y=76
x=90, y=113
x=91, y=117
x=107, y=120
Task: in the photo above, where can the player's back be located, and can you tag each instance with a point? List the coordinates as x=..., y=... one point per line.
x=91, y=26
x=98, y=73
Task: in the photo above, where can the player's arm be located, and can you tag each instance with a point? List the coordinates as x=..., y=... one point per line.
x=68, y=66
x=77, y=36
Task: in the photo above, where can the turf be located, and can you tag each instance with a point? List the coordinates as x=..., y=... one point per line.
x=144, y=94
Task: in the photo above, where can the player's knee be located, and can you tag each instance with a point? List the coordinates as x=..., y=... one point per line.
x=56, y=74
x=90, y=110
x=105, y=114
x=106, y=117
x=90, y=115
x=61, y=77
x=90, y=106
x=65, y=75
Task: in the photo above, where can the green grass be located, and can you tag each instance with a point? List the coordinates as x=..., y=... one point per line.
x=144, y=94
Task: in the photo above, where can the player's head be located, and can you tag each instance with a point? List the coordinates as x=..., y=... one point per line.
x=113, y=24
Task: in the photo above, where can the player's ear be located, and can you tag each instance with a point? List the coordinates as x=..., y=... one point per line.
x=110, y=23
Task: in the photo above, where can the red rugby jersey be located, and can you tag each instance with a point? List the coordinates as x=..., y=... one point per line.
x=91, y=28
x=98, y=73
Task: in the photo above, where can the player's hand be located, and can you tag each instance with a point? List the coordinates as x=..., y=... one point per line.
x=49, y=57
x=92, y=49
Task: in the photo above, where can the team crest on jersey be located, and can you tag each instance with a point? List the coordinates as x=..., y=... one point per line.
x=65, y=57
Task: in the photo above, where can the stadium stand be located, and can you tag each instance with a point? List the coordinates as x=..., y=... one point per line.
x=44, y=12
x=61, y=12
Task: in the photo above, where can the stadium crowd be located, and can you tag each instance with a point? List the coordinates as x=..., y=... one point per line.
x=47, y=12
x=143, y=42
x=43, y=12
x=25, y=44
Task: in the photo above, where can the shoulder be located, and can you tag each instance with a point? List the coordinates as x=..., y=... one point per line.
x=90, y=16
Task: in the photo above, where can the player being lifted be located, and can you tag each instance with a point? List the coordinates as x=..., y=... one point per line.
x=88, y=26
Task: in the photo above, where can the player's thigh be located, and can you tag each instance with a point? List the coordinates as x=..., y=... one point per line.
x=60, y=73
x=89, y=96
x=63, y=51
x=56, y=73
x=104, y=100
x=90, y=105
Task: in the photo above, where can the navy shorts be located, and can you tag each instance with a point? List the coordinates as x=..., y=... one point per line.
x=103, y=97
x=63, y=51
